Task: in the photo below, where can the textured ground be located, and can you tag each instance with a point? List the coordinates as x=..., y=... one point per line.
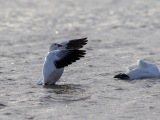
x=119, y=32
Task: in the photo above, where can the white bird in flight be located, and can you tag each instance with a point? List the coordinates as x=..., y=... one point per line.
x=60, y=56
x=141, y=70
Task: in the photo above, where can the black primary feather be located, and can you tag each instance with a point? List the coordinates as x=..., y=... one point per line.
x=122, y=76
x=67, y=57
x=76, y=43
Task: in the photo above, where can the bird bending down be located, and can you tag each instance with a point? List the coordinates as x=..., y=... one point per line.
x=60, y=56
x=141, y=70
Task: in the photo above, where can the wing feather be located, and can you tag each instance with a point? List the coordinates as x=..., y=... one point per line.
x=67, y=57
x=75, y=43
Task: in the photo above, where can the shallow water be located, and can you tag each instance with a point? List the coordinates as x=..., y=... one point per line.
x=119, y=33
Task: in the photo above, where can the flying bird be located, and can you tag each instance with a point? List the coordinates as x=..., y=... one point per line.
x=60, y=56
x=141, y=70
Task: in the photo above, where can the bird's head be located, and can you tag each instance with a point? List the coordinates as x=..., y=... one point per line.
x=54, y=46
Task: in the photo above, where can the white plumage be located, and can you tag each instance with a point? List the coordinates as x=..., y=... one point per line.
x=58, y=57
x=141, y=70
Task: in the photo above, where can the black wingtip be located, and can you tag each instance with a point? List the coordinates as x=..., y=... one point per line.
x=77, y=43
x=69, y=58
x=84, y=38
x=122, y=76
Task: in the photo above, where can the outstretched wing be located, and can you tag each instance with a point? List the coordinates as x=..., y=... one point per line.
x=74, y=44
x=67, y=57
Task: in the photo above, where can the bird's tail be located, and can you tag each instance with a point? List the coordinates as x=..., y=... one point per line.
x=40, y=81
x=122, y=76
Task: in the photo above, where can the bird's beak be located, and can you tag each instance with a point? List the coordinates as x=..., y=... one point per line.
x=59, y=45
